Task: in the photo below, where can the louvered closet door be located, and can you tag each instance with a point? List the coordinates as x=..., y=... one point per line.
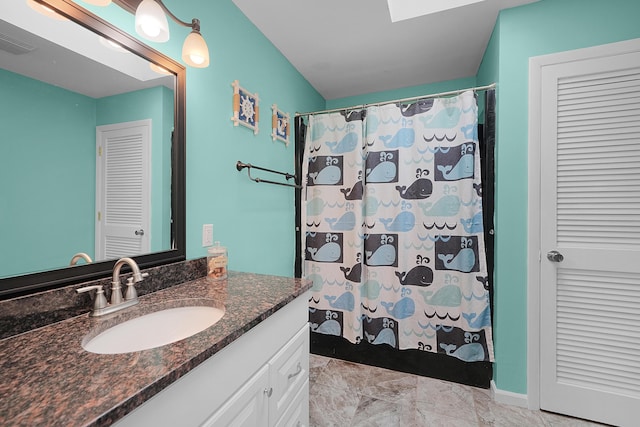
x=590, y=214
x=123, y=198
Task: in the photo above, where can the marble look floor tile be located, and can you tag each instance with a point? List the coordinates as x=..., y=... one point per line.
x=446, y=398
x=331, y=407
x=373, y=412
x=345, y=394
x=391, y=386
x=339, y=374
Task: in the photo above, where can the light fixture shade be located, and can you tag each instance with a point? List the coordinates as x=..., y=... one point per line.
x=44, y=10
x=195, y=51
x=151, y=22
x=98, y=2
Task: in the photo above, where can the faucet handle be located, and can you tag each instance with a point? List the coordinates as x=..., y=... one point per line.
x=131, y=292
x=100, y=301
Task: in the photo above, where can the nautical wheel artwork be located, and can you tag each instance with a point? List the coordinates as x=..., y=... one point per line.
x=280, y=125
x=246, y=111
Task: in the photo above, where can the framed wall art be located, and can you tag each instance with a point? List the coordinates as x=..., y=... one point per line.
x=246, y=110
x=280, y=124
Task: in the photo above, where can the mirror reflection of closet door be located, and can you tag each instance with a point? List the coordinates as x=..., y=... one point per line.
x=123, y=189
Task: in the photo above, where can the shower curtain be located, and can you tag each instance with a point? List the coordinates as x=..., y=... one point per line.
x=394, y=232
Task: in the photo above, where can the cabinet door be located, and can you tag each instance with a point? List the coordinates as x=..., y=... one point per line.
x=289, y=370
x=297, y=414
x=247, y=407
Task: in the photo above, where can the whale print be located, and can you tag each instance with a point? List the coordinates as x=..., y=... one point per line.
x=463, y=169
x=381, y=249
x=330, y=327
x=352, y=116
x=315, y=206
x=402, y=309
x=447, y=118
x=370, y=290
x=448, y=205
x=325, y=170
x=354, y=193
x=381, y=167
x=386, y=336
x=473, y=352
x=447, y=296
x=463, y=261
x=383, y=172
x=352, y=274
x=384, y=255
x=458, y=253
x=345, y=301
x=393, y=228
x=420, y=275
x=403, y=138
x=317, y=281
x=473, y=225
x=346, y=145
x=418, y=107
x=328, y=322
x=327, y=253
x=330, y=175
x=455, y=163
x=403, y=222
x=477, y=321
x=419, y=189
x=465, y=345
x=345, y=223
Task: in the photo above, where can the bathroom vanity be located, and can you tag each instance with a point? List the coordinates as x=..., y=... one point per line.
x=252, y=365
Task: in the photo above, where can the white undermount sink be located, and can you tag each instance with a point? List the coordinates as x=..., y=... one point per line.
x=154, y=330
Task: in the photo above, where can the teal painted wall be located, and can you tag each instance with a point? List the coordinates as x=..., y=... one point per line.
x=51, y=153
x=255, y=221
x=540, y=28
x=407, y=92
x=155, y=104
x=47, y=174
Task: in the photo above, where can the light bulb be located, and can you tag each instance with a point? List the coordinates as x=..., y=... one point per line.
x=151, y=22
x=195, y=51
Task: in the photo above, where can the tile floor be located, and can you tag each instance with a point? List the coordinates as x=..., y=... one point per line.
x=345, y=394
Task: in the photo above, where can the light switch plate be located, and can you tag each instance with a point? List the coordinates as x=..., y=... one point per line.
x=207, y=235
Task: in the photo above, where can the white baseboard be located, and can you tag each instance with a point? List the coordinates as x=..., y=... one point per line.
x=509, y=397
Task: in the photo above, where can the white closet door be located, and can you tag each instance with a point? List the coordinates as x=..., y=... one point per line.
x=123, y=189
x=590, y=214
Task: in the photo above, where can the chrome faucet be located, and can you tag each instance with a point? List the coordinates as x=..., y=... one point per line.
x=100, y=306
x=80, y=255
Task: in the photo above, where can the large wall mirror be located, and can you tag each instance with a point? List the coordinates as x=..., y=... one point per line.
x=92, y=149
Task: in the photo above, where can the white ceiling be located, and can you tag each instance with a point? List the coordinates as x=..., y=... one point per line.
x=67, y=55
x=351, y=47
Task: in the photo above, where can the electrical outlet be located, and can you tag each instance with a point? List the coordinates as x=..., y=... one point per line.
x=207, y=235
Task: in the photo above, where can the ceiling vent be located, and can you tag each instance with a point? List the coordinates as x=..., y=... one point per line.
x=14, y=46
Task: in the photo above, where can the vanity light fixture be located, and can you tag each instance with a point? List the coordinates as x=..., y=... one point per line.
x=151, y=24
x=98, y=2
x=44, y=10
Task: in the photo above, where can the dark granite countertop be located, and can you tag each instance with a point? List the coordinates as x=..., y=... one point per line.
x=49, y=379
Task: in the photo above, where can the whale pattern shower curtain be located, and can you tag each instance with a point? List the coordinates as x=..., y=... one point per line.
x=394, y=233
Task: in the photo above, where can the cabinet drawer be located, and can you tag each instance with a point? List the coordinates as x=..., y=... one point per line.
x=288, y=372
x=297, y=414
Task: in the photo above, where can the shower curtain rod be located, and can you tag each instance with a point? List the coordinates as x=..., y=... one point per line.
x=413, y=98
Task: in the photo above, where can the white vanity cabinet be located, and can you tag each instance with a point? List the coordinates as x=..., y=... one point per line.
x=261, y=379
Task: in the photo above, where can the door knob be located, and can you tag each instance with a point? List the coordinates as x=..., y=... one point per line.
x=555, y=256
x=139, y=232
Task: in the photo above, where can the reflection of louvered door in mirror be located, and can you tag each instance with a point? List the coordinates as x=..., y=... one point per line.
x=590, y=215
x=123, y=189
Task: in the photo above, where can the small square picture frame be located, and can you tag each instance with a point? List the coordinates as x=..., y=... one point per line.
x=280, y=125
x=246, y=108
